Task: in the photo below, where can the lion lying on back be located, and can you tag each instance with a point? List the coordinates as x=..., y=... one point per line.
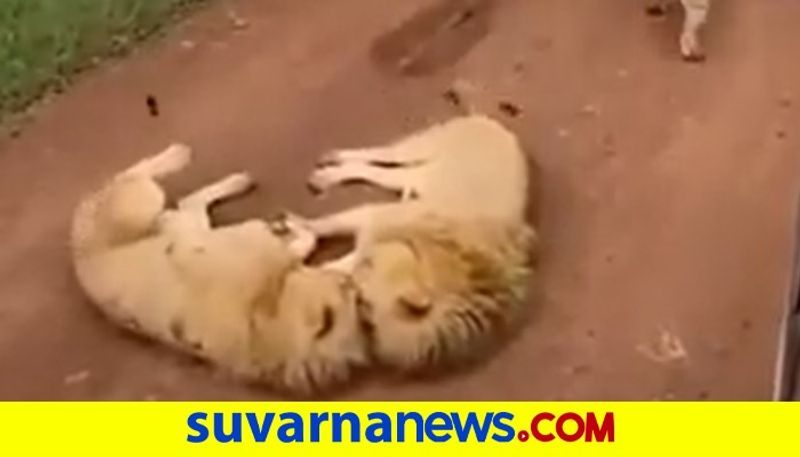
x=435, y=276
x=446, y=267
x=238, y=296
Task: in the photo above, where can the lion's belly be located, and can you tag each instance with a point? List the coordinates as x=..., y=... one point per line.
x=134, y=287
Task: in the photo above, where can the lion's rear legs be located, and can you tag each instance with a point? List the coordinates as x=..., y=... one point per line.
x=171, y=160
x=134, y=202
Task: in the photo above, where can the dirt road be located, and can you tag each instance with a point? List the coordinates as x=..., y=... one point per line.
x=666, y=188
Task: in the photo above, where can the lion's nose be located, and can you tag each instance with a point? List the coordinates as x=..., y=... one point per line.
x=327, y=323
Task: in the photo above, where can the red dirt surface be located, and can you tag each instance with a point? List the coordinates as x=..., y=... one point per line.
x=666, y=196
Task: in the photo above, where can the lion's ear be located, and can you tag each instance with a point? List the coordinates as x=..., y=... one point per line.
x=415, y=306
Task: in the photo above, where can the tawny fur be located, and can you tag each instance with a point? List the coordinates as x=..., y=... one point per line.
x=695, y=18
x=443, y=269
x=237, y=296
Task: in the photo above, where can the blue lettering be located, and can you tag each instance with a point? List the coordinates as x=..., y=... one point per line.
x=498, y=423
x=294, y=425
x=316, y=424
x=437, y=427
x=260, y=431
x=355, y=427
x=195, y=425
x=236, y=428
x=402, y=418
x=463, y=431
x=431, y=427
x=383, y=425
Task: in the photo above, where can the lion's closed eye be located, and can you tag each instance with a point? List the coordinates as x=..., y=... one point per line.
x=414, y=309
x=328, y=320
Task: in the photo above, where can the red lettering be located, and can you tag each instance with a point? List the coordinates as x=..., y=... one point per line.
x=590, y=429
x=535, y=427
x=600, y=433
x=570, y=438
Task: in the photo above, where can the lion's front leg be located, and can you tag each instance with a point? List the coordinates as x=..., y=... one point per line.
x=348, y=222
x=231, y=186
x=190, y=222
x=397, y=180
x=301, y=240
x=395, y=155
x=345, y=264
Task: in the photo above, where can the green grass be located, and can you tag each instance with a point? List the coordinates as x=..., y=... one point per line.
x=44, y=43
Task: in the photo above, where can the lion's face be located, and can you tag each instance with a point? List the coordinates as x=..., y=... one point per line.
x=416, y=308
x=313, y=339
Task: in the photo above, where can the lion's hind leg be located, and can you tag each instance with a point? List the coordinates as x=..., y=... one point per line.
x=171, y=160
x=127, y=210
x=130, y=206
x=135, y=201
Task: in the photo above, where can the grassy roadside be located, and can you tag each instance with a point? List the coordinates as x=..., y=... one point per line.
x=44, y=43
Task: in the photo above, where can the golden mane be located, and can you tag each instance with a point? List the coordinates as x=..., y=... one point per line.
x=476, y=258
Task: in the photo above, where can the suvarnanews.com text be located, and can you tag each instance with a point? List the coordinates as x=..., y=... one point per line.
x=402, y=427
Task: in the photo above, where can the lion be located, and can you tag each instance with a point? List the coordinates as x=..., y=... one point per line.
x=695, y=18
x=237, y=296
x=445, y=268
